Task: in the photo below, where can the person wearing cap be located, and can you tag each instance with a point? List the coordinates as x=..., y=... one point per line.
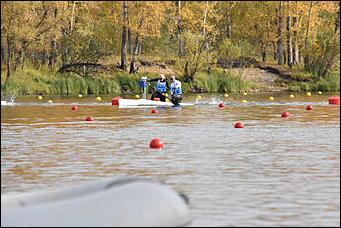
x=176, y=90
x=162, y=86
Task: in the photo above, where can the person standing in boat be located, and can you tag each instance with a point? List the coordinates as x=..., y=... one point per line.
x=162, y=86
x=176, y=90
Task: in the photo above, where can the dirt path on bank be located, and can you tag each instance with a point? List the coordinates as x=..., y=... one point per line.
x=263, y=79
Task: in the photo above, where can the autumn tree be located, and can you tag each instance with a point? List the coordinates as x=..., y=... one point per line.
x=256, y=24
x=322, y=41
x=89, y=36
x=198, y=35
x=145, y=21
x=28, y=29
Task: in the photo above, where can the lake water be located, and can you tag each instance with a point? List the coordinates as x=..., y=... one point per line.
x=274, y=172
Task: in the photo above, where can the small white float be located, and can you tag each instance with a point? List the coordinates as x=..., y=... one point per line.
x=9, y=101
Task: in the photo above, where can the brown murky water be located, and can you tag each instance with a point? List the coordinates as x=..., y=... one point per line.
x=274, y=172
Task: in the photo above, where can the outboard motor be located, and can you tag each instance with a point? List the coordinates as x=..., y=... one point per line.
x=143, y=84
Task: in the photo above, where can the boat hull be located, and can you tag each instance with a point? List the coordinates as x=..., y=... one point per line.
x=146, y=103
x=124, y=202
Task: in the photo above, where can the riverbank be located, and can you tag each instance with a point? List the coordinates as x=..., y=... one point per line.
x=247, y=76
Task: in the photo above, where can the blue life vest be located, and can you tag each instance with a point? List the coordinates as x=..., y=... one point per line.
x=176, y=87
x=161, y=86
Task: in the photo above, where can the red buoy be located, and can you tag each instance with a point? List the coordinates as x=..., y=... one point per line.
x=285, y=114
x=239, y=125
x=156, y=144
x=74, y=108
x=115, y=100
x=334, y=100
x=156, y=99
x=155, y=111
x=90, y=118
x=309, y=107
x=221, y=105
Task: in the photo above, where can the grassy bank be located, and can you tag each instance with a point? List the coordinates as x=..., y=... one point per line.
x=43, y=81
x=222, y=82
x=30, y=81
x=303, y=81
x=328, y=84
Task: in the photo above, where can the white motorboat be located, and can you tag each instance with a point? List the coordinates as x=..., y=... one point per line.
x=124, y=202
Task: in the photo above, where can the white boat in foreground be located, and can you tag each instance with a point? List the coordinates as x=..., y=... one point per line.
x=124, y=202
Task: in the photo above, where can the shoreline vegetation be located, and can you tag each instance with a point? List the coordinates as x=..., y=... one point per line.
x=105, y=47
x=44, y=81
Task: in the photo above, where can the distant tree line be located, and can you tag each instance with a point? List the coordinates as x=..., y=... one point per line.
x=197, y=33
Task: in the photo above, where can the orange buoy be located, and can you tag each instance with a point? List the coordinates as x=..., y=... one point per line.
x=334, y=100
x=285, y=114
x=309, y=107
x=74, y=108
x=239, y=125
x=156, y=99
x=115, y=100
x=155, y=111
x=156, y=144
x=221, y=105
x=90, y=118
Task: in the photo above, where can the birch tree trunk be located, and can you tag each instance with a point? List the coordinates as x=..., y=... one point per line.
x=2, y=54
x=263, y=52
x=53, y=46
x=228, y=25
x=275, y=49
x=135, y=54
x=295, y=60
x=180, y=31
x=52, y=57
x=284, y=56
x=306, y=41
x=280, y=27
x=289, y=42
x=209, y=66
x=72, y=15
x=205, y=18
x=337, y=25
x=9, y=56
x=124, y=37
x=130, y=42
x=140, y=48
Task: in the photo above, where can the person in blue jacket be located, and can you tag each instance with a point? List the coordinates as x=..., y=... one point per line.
x=176, y=90
x=162, y=86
